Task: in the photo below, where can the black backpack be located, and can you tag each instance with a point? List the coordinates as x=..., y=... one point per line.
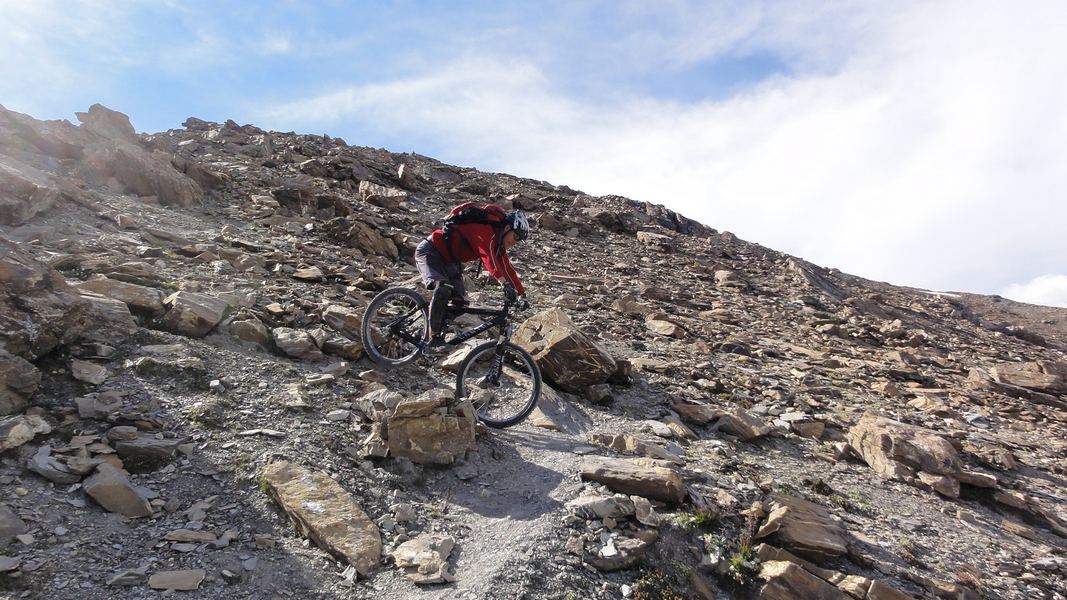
x=468, y=214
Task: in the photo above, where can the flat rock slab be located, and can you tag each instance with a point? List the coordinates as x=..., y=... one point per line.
x=788, y=581
x=1043, y=376
x=632, y=478
x=697, y=414
x=744, y=425
x=88, y=372
x=136, y=297
x=804, y=528
x=327, y=514
x=111, y=488
x=183, y=581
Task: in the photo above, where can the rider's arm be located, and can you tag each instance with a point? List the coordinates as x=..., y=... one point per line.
x=498, y=264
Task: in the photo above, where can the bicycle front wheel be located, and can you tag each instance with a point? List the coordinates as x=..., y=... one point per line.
x=394, y=327
x=502, y=382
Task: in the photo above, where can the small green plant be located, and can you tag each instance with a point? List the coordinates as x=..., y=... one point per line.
x=697, y=519
x=743, y=564
x=655, y=585
x=264, y=484
x=909, y=551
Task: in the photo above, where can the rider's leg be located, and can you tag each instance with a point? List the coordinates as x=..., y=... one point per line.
x=437, y=275
x=455, y=279
x=438, y=304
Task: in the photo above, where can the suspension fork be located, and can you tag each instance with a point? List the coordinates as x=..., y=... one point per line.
x=505, y=335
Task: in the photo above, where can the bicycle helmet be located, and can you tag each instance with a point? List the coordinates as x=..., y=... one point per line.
x=519, y=224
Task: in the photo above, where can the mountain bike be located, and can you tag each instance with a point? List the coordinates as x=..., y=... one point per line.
x=500, y=379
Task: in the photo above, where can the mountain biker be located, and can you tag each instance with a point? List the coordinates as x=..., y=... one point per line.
x=472, y=232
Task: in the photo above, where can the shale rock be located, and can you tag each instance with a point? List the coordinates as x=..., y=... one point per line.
x=19, y=380
x=327, y=514
x=111, y=488
x=568, y=358
x=16, y=431
x=39, y=310
x=804, y=528
x=787, y=581
x=192, y=314
x=898, y=451
x=634, y=478
x=431, y=430
x=425, y=558
x=137, y=297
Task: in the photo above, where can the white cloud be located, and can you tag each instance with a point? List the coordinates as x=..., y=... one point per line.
x=275, y=44
x=1049, y=290
x=931, y=155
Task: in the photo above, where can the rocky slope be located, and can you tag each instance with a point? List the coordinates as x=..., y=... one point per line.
x=184, y=402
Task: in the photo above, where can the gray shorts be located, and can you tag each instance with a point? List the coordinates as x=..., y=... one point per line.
x=434, y=268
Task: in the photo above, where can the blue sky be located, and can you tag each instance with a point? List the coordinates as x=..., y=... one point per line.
x=920, y=143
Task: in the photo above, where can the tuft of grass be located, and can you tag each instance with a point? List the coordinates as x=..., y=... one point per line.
x=697, y=519
x=909, y=551
x=655, y=585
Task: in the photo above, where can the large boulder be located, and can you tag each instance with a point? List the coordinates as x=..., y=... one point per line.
x=430, y=429
x=112, y=150
x=366, y=238
x=16, y=431
x=192, y=314
x=24, y=192
x=19, y=380
x=568, y=358
x=1045, y=376
x=39, y=310
x=804, y=528
x=898, y=451
x=345, y=320
x=327, y=514
x=296, y=343
x=108, y=123
x=380, y=195
x=112, y=321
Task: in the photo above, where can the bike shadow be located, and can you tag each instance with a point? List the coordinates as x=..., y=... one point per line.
x=501, y=480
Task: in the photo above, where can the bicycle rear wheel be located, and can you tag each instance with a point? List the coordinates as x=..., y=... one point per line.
x=394, y=327
x=501, y=381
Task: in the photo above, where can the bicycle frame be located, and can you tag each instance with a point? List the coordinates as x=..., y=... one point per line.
x=500, y=319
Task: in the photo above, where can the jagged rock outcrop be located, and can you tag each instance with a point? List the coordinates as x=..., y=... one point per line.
x=431, y=429
x=568, y=358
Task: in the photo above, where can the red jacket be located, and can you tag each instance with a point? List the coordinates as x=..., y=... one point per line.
x=482, y=242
